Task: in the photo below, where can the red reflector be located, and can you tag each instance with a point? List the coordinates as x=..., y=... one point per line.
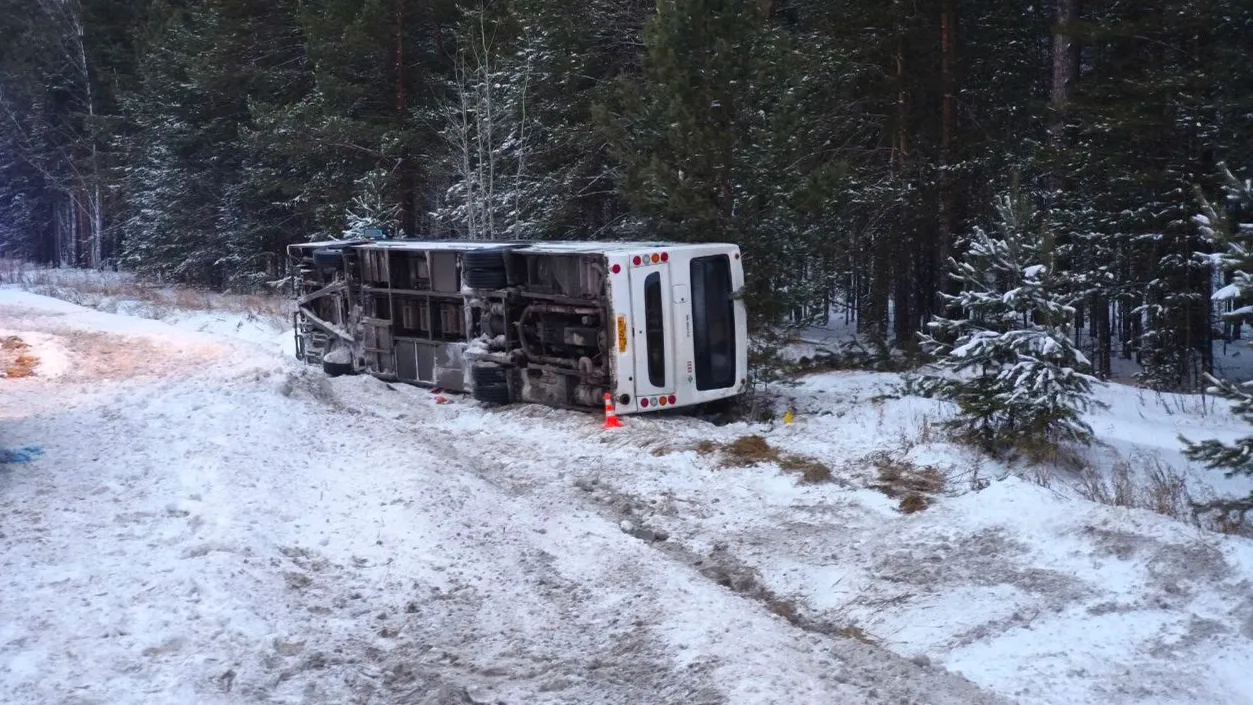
x=665, y=256
x=656, y=258
x=673, y=400
x=643, y=403
x=617, y=268
x=637, y=261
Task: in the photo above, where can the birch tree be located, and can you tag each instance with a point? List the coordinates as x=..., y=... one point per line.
x=48, y=112
x=485, y=125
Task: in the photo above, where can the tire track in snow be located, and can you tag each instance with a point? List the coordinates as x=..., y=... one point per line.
x=881, y=675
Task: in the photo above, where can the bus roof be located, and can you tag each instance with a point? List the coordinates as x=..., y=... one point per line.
x=521, y=247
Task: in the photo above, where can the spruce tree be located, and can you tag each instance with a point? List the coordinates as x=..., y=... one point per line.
x=370, y=211
x=1009, y=361
x=1233, y=226
x=179, y=154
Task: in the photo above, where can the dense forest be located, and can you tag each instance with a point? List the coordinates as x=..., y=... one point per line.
x=849, y=146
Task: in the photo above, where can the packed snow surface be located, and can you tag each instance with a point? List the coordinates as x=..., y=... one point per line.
x=212, y=522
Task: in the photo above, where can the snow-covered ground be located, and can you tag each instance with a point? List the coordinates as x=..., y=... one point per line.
x=1232, y=359
x=211, y=522
x=264, y=320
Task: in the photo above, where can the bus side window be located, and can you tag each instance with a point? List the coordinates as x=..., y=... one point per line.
x=655, y=330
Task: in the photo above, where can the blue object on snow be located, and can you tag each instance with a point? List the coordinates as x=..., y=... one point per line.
x=25, y=454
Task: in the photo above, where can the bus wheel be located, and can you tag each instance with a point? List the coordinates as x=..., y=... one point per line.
x=484, y=259
x=485, y=279
x=327, y=258
x=484, y=269
x=337, y=369
x=491, y=384
x=337, y=361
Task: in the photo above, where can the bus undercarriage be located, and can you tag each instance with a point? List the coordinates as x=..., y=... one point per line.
x=526, y=327
x=560, y=324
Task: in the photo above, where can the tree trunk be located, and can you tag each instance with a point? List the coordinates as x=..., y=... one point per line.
x=407, y=185
x=1065, y=67
x=873, y=314
x=903, y=315
x=90, y=191
x=1102, y=337
x=901, y=146
x=489, y=122
x=899, y=257
x=69, y=229
x=86, y=236
x=944, y=244
x=462, y=127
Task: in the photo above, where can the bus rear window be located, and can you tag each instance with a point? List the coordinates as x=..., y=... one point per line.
x=713, y=322
x=655, y=330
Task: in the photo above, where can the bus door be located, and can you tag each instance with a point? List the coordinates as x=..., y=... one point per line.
x=651, y=321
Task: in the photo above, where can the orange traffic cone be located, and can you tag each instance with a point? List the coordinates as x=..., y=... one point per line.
x=611, y=416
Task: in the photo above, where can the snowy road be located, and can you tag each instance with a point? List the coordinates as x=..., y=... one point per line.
x=212, y=523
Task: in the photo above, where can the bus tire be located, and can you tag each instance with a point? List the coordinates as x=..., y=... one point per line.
x=491, y=384
x=337, y=369
x=485, y=279
x=484, y=259
x=488, y=375
x=326, y=258
x=493, y=395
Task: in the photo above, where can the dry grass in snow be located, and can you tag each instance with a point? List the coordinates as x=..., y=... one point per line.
x=16, y=358
x=751, y=450
x=121, y=292
x=912, y=485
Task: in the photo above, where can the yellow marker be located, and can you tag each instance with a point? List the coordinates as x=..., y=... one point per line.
x=622, y=334
x=788, y=417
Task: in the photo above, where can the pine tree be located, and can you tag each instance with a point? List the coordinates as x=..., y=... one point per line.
x=685, y=127
x=736, y=132
x=350, y=106
x=1012, y=368
x=1233, y=226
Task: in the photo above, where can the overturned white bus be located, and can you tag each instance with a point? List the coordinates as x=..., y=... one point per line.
x=655, y=325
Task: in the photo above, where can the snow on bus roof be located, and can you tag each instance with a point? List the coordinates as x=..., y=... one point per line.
x=536, y=247
x=597, y=247
x=437, y=245
x=326, y=243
